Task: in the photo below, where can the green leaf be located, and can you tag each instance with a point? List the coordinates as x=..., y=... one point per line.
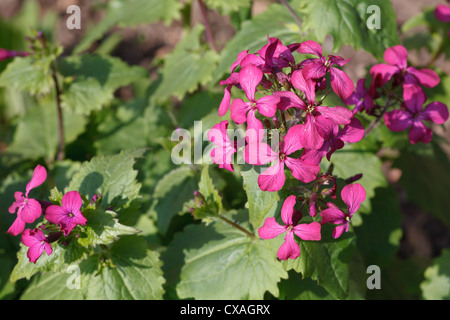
x=326, y=261
x=227, y=6
x=102, y=228
x=171, y=193
x=28, y=74
x=186, y=67
x=62, y=255
x=436, y=285
x=207, y=189
x=354, y=159
x=275, y=21
x=36, y=134
x=260, y=203
x=346, y=21
x=128, y=13
x=111, y=176
x=298, y=288
x=132, y=272
x=222, y=262
x=94, y=79
x=426, y=179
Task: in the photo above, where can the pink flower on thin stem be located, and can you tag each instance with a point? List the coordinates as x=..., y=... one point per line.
x=317, y=68
x=352, y=195
x=28, y=209
x=69, y=215
x=222, y=154
x=413, y=115
x=245, y=111
x=310, y=136
x=273, y=178
x=290, y=217
x=334, y=139
x=396, y=57
x=37, y=243
x=361, y=98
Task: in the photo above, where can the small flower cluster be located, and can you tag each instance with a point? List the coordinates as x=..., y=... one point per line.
x=62, y=219
x=396, y=82
x=280, y=105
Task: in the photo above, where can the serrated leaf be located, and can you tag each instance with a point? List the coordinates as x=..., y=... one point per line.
x=134, y=273
x=102, y=227
x=28, y=74
x=260, y=203
x=436, y=285
x=94, y=79
x=111, y=176
x=131, y=13
x=326, y=261
x=207, y=189
x=61, y=257
x=36, y=134
x=171, y=193
x=346, y=21
x=275, y=21
x=186, y=67
x=222, y=262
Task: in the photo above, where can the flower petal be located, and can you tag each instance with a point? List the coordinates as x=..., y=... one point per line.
x=341, y=83
x=436, y=112
x=353, y=195
x=259, y=153
x=396, y=55
x=309, y=136
x=308, y=231
x=249, y=78
x=273, y=178
x=241, y=55
x=288, y=210
x=17, y=227
x=30, y=211
x=72, y=201
x=310, y=47
x=382, y=73
x=289, y=99
x=291, y=143
x=339, y=115
x=398, y=120
x=39, y=176
x=270, y=229
x=352, y=132
x=339, y=230
x=267, y=105
x=414, y=97
x=426, y=77
x=289, y=249
x=301, y=170
x=314, y=70
x=55, y=214
x=306, y=86
x=419, y=132
x=332, y=215
x=442, y=12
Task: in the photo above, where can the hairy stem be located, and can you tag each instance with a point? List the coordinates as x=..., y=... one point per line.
x=235, y=225
x=60, y=154
x=207, y=26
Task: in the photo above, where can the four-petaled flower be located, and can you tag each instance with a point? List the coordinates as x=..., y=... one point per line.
x=222, y=154
x=413, y=115
x=37, y=243
x=290, y=217
x=396, y=57
x=273, y=178
x=28, y=209
x=69, y=215
x=352, y=195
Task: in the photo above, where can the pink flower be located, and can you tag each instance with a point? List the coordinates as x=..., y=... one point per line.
x=310, y=136
x=317, y=68
x=69, y=215
x=37, y=243
x=305, y=231
x=222, y=154
x=396, y=57
x=414, y=115
x=233, y=80
x=361, y=98
x=28, y=209
x=352, y=195
x=6, y=54
x=442, y=13
x=245, y=111
x=273, y=178
x=333, y=139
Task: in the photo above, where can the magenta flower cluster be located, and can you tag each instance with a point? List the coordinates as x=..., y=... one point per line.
x=281, y=97
x=28, y=210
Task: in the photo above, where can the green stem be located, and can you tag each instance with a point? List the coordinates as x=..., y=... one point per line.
x=235, y=225
x=60, y=154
